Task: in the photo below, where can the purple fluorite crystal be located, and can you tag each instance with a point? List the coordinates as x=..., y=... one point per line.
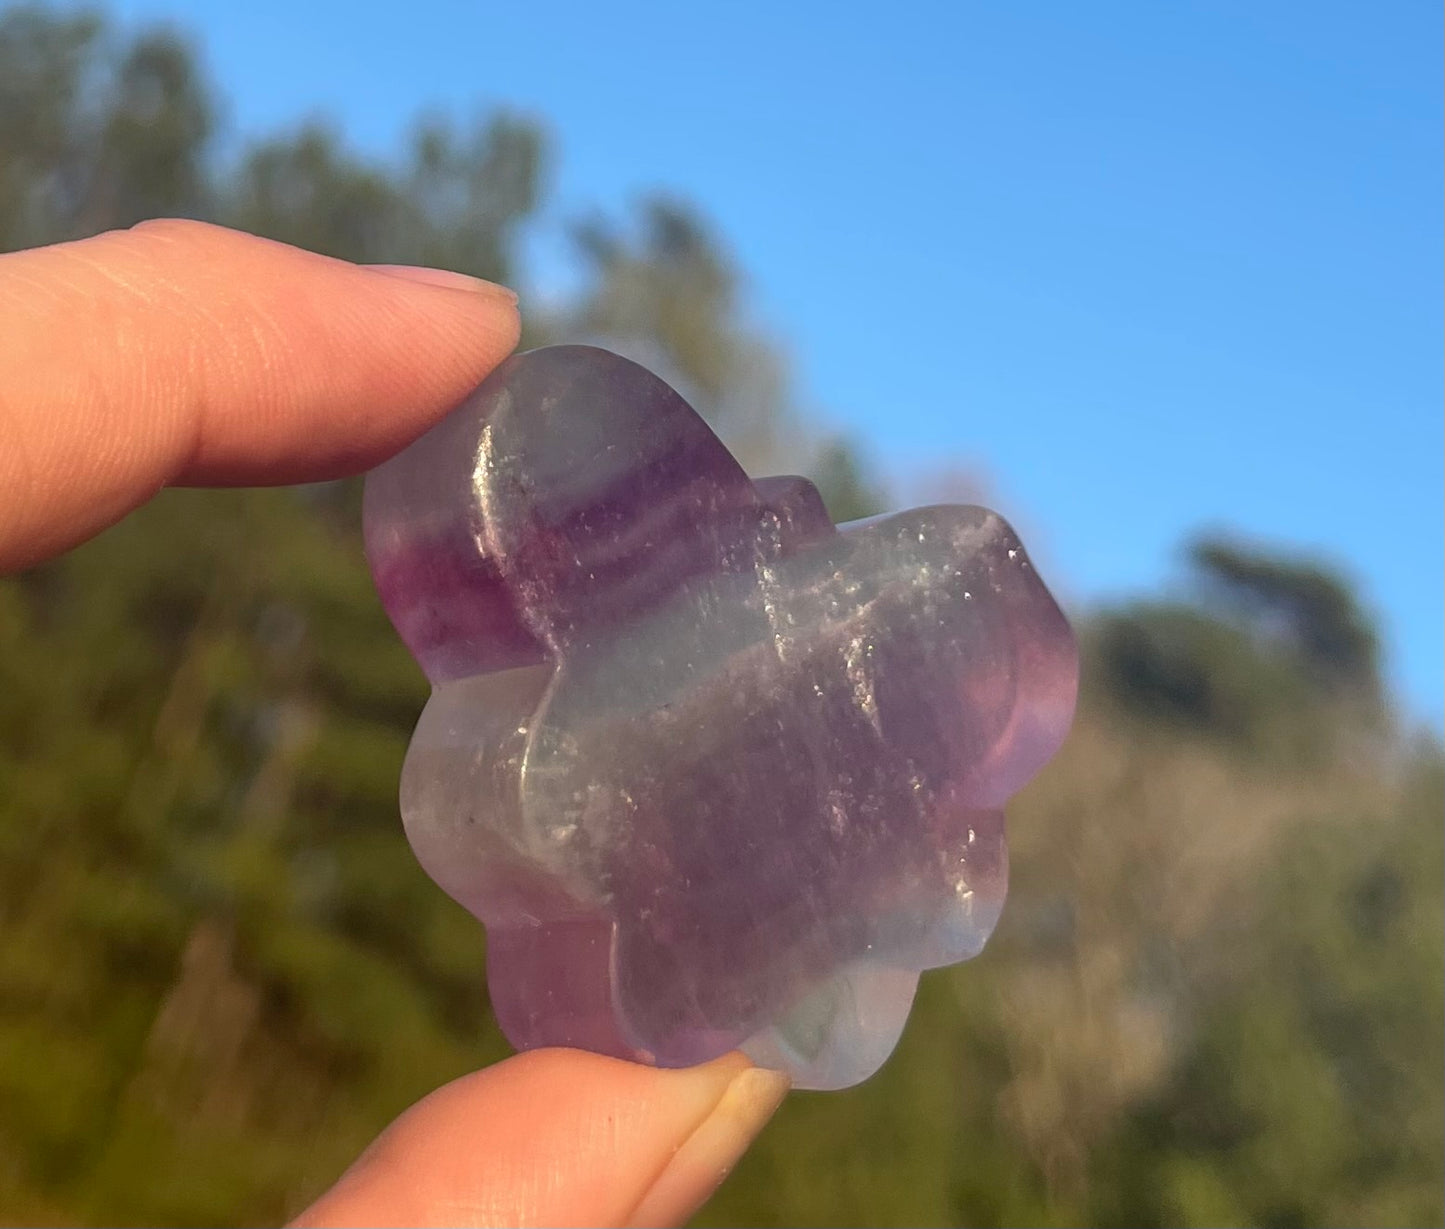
x=713, y=772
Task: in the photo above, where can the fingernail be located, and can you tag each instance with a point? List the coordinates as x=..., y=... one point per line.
x=707, y=1156
x=445, y=278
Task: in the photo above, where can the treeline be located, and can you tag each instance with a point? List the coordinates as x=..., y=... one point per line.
x=1215, y=998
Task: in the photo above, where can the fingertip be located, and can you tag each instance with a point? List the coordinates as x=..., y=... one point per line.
x=559, y=1137
x=178, y=352
x=447, y=279
x=701, y=1162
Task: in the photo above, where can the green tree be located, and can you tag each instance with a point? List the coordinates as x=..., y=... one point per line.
x=456, y=202
x=665, y=293
x=1299, y=606
x=1310, y=1088
x=96, y=131
x=1274, y=653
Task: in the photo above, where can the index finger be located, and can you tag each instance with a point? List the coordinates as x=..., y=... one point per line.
x=182, y=353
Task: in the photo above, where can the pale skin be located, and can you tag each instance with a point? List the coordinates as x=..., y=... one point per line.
x=180, y=354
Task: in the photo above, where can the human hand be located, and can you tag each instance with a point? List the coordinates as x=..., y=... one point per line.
x=183, y=354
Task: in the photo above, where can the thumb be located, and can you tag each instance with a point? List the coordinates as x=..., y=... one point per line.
x=558, y=1137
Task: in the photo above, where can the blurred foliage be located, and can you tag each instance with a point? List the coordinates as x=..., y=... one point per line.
x=1273, y=655
x=663, y=292
x=456, y=202
x=1216, y=994
x=96, y=131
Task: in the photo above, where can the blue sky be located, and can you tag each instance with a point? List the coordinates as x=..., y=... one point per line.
x=1152, y=267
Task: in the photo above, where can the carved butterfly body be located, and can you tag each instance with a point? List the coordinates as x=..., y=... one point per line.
x=713, y=772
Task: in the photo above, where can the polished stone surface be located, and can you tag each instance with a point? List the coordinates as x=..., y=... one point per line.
x=712, y=772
